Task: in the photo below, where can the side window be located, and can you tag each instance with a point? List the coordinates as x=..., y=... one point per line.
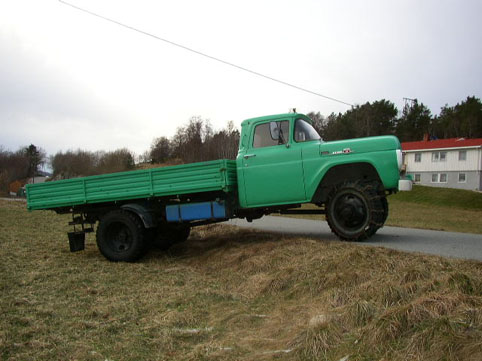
x=418, y=157
x=270, y=134
x=304, y=131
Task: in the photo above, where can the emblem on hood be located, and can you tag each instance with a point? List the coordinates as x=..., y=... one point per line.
x=344, y=151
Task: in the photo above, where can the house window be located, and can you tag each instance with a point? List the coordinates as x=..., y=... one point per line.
x=416, y=177
x=462, y=155
x=439, y=177
x=439, y=156
x=462, y=178
x=418, y=157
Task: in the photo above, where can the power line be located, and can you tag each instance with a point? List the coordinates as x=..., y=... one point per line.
x=202, y=54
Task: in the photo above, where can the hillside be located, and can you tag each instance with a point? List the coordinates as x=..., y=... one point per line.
x=230, y=294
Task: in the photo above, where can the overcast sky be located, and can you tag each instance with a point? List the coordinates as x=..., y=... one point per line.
x=69, y=80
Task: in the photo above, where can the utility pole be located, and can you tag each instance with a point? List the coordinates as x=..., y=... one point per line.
x=408, y=101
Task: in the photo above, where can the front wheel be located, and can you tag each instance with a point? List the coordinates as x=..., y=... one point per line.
x=355, y=210
x=120, y=236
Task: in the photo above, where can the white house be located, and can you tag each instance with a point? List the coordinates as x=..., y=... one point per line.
x=450, y=163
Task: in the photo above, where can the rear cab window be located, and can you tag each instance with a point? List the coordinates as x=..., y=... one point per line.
x=304, y=131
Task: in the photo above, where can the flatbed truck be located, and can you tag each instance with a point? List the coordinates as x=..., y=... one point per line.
x=281, y=164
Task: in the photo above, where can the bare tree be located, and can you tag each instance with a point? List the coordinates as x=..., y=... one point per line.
x=116, y=161
x=161, y=150
x=73, y=164
x=13, y=166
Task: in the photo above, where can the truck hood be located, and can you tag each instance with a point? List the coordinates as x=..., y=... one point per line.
x=361, y=145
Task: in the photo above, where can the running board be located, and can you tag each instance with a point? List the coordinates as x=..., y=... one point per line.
x=302, y=211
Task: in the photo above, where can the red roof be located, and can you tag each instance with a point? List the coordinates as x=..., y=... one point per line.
x=442, y=143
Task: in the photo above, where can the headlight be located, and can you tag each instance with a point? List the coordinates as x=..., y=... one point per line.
x=399, y=158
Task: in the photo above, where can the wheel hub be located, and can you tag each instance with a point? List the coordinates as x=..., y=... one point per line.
x=120, y=239
x=350, y=211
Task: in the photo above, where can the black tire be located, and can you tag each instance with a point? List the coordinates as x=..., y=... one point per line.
x=168, y=234
x=384, y=201
x=121, y=236
x=384, y=216
x=355, y=210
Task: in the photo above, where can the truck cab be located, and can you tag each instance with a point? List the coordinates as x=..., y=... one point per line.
x=270, y=159
x=282, y=163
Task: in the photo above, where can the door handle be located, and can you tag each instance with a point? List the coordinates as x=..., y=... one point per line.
x=246, y=156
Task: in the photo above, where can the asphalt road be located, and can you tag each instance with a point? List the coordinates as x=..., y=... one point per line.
x=447, y=244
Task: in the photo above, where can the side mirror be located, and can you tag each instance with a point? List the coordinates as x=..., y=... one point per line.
x=274, y=130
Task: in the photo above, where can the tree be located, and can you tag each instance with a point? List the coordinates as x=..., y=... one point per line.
x=36, y=157
x=189, y=140
x=369, y=119
x=13, y=166
x=81, y=163
x=117, y=161
x=223, y=144
x=462, y=120
x=415, y=122
x=469, y=114
x=73, y=164
x=160, y=150
x=318, y=122
x=378, y=118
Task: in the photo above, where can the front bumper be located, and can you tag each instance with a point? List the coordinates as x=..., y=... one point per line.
x=404, y=185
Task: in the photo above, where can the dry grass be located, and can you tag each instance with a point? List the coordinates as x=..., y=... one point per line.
x=159, y=165
x=230, y=294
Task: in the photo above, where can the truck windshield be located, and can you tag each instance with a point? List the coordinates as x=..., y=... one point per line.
x=304, y=131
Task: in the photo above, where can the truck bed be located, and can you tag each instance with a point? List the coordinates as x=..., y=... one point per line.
x=217, y=175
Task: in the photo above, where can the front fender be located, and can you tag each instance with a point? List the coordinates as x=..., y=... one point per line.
x=383, y=162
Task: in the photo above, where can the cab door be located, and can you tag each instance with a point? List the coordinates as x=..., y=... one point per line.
x=272, y=166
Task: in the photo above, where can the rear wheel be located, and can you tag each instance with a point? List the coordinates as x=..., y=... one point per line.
x=355, y=210
x=121, y=236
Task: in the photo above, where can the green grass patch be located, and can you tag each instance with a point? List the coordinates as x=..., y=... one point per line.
x=442, y=209
x=230, y=294
x=441, y=197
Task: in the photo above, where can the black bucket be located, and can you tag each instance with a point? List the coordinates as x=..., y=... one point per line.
x=76, y=241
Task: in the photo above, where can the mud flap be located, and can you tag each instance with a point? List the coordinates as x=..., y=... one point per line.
x=76, y=241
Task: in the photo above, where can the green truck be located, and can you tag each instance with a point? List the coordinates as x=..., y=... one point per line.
x=282, y=163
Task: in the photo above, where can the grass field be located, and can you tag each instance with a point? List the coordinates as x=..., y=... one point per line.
x=441, y=209
x=230, y=294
